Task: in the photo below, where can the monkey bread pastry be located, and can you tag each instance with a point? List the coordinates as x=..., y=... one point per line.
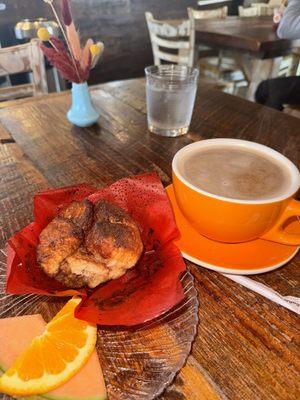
x=87, y=244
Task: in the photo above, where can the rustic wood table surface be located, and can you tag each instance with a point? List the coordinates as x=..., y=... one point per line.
x=254, y=41
x=247, y=347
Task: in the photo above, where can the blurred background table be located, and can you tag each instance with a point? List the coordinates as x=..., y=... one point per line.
x=247, y=347
x=253, y=40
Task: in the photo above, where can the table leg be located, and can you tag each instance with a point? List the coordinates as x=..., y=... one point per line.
x=258, y=70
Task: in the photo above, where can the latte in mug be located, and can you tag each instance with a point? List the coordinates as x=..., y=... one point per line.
x=236, y=173
x=235, y=191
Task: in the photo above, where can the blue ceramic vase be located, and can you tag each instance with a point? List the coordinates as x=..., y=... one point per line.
x=82, y=112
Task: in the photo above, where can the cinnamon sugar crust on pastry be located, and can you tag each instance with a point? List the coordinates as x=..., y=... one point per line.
x=88, y=244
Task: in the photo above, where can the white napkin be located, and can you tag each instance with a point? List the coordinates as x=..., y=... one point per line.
x=290, y=302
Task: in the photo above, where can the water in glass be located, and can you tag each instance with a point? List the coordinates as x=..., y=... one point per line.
x=171, y=92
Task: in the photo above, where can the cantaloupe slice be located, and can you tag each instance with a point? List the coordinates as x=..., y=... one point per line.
x=87, y=384
x=16, y=333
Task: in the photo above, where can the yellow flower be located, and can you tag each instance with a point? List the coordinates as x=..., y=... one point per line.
x=95, y=50
x=43, y=34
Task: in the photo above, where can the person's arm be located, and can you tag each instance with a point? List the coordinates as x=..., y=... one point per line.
x=289, y=27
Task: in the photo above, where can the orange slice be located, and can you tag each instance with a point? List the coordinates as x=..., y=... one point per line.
x=53, y=357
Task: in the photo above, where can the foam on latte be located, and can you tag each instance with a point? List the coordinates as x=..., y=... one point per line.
x=236, y=173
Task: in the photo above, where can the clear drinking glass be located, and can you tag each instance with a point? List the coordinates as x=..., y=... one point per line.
x=171, y=92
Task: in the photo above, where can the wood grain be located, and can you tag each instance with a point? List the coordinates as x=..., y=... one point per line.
x=14, y=92
x=249, y=333
x=247, y=348
x=19, y=181
x=193, y=383
x=5, y=136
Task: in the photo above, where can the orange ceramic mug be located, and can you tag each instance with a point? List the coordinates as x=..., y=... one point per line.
x=232, y=220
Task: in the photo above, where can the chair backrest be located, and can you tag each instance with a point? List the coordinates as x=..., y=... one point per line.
x=274, y=3
x=170, y=35
x=23, y=58
x=194, y=15
x=248, y=11
x=264, y=9
x=221, y=12
x=254, y=10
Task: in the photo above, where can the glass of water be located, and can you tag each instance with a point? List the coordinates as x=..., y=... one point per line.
x=171, y=91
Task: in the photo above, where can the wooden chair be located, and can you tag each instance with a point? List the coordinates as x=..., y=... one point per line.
x=170, y=40
x=23, y=58
x=211, y=3
x=256, y=10
x=194, y=15
x=215, y=63
x=274, y=3
x=264, y=9
x=248, y=11
x=221, y=12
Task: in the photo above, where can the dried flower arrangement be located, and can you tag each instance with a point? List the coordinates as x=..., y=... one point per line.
x=74, y=63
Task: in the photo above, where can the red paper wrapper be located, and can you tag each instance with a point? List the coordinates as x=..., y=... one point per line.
x=151, y=288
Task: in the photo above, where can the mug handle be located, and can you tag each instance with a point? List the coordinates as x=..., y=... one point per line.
x=277, y=234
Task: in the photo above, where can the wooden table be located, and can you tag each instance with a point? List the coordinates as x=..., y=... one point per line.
x=253, y=39
x=246, y=347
